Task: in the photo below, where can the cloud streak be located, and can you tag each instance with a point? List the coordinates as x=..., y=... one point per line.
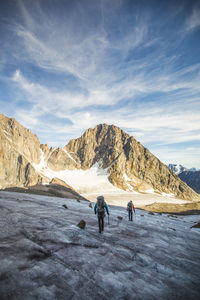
x=106, y=62
x=193, y=21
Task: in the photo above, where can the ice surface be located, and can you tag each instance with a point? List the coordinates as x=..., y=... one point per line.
x=44, y=255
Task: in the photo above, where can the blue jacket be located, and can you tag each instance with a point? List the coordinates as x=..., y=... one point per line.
x=106, y=206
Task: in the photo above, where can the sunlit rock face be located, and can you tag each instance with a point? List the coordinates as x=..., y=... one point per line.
x=129, y=165
x=59, y=160
x=19, y=148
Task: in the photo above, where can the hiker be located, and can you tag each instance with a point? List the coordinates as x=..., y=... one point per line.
x=130, y=208
x=99, y=208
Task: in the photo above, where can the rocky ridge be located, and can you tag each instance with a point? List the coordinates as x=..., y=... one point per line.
x=129, y=165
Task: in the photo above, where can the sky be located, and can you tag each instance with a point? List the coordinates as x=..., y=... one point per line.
x=66, y=66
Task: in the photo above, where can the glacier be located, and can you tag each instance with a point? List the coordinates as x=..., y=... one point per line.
x=44, y=255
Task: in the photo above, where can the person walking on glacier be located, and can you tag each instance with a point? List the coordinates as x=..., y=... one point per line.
x=99, y=209
x=130, y=209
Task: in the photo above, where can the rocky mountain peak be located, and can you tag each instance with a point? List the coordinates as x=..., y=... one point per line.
x=130, y=165
x=103, y=143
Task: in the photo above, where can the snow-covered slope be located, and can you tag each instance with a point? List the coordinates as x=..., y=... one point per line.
x=83, y=181
x=94, y=181
x=44, y=255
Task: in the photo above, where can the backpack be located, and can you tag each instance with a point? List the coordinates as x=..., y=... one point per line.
x=129, y=206
x=100, y=205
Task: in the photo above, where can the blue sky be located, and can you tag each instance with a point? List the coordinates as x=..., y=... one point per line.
x=66, y=66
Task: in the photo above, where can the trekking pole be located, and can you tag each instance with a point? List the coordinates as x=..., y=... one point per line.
x=108, y=220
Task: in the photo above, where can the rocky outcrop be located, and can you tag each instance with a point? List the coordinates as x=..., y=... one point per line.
x=192, y=208
x=46, y=150
x=57, y=181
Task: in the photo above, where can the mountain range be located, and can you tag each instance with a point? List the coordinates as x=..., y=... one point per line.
x=189, y=176
x=105, y=151
x=177, y=169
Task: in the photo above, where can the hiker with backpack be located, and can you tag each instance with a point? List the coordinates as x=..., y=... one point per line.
x=130, y=209
x=99, y=208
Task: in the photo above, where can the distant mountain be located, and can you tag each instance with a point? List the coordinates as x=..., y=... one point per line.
x=193, y=169
x=103, y=157
x=192, y=178
x=177, y=168
x=189, y=176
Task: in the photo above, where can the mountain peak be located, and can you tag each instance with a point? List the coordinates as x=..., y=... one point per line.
x=130, y=165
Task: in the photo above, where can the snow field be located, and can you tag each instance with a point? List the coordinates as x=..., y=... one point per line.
x=94, y=181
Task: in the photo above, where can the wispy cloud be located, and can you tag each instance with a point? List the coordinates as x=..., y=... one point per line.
x=172, y=122
x=105, y=62
x=193, y=21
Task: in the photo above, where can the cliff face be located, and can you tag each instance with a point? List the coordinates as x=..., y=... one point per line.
x=102, y=144
x=130, y=166
x=18, y=149
x=60, y=159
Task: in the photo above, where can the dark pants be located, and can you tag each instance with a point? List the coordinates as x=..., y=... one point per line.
x=101, y=221
x=130, y=215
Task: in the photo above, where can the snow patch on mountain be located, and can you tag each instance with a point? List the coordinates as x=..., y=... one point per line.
x=69, y=155
x=7, y=136
x=127, y=180
x=150, y=191
x=167, y=195
x=93, y=179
